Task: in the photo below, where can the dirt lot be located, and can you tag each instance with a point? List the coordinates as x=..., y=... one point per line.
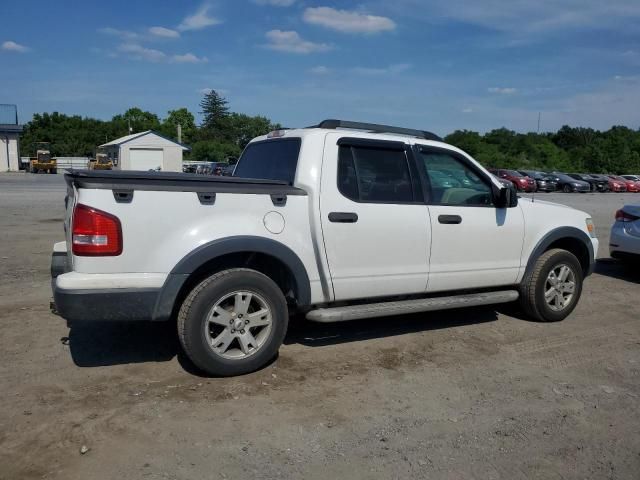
x=465, y=394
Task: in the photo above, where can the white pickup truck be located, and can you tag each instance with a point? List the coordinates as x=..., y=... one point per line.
x=338, y=221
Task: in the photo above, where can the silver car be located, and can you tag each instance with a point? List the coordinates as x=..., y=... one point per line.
x=625, y=233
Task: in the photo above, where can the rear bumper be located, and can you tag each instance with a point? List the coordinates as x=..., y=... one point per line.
x=84, y=298
x=106, y=305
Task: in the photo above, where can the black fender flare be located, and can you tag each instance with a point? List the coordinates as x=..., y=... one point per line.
x=555, y=235
x=223, y=246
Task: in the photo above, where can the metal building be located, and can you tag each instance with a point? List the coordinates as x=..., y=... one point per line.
x=10, y=132
x=145, y=151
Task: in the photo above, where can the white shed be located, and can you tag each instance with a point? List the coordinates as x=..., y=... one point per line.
x=10, y=132
x=145, y=151
x=9, y=147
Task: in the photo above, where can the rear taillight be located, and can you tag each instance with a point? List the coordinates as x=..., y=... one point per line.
x=622, y=216
x=95, y=233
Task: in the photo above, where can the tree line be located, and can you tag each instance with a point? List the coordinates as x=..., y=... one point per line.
x=570, y=149
x=223, y=134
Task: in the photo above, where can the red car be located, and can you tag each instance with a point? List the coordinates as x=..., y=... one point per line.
x=521, y=182
x=630, y=185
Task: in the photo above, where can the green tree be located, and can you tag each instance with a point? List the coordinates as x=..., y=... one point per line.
x=213, y=151
x=185, y=119
x=239, y=128
x=214, y=111
x=139, y=120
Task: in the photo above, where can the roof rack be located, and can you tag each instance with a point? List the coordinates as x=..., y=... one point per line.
x=373, y=127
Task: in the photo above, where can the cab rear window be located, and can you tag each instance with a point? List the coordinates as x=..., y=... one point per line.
x=270, y=160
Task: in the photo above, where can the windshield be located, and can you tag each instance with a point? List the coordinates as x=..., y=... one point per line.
x=513, y=173
x=270, y=160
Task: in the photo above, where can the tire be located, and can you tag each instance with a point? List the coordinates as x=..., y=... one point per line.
x=536, y=283
x=234, y=353
x=566, y=188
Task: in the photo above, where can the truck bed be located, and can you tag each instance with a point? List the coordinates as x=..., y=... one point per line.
x=175, y=181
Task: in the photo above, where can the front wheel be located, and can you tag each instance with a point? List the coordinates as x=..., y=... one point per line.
x=566, y=188
x=233, y=322
x=551, y=291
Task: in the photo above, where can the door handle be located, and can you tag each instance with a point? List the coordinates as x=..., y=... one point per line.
x=343, y=217
x=450, y=219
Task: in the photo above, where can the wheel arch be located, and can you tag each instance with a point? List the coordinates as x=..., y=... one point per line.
x=571, y=239
x=270, y=257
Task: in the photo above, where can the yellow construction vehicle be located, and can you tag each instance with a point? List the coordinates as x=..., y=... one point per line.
x=101, y=162
x=43, y=161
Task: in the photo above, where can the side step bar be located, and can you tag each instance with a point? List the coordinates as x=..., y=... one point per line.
x=384, y=309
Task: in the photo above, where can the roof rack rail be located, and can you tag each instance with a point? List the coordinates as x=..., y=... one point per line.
x=373, y=127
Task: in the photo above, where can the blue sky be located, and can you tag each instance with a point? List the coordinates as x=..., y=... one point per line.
x=434, y=64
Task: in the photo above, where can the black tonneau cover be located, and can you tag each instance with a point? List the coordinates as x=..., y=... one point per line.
x=175, y=181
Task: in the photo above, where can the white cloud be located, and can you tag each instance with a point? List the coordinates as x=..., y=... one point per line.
x=138, y=52
x=11, y=46
x=502, y=90
x=118, y=33
x=320, y=70
x=199, y=20
x=276, y=3
x=163, y=32
x=525, y=17
x=347, y=21
x=188, y=58
x=291, y=42
x=467, y=110
x=391, y=69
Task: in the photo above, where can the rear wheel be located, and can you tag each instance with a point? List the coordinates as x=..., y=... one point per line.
x=551, y=291
x=233, y=322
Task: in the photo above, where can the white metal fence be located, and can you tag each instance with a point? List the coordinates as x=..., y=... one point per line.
x=63, y=163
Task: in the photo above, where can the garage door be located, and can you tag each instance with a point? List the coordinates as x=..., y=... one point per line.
x=146, y=158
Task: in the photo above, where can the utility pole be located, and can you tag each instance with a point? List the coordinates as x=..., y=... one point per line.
x=179, y=127
x=539, y=114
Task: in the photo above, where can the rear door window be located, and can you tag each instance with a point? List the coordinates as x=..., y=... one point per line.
x=270, y=160
x=376, y=175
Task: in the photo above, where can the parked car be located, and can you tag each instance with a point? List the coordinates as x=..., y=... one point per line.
x=614, y=185
x=593, y=183
x=544, y=182
x=602, y=182
x=630, y=185
x=624, y=241
x=505, y=183
x=230, y=269
x=521, y=182
x=569, y=184
x=635, y=178
x=227, y=171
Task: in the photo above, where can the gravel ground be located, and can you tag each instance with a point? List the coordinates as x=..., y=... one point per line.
x=475, y=393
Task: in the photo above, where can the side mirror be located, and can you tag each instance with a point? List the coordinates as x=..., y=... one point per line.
x=506, y=197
